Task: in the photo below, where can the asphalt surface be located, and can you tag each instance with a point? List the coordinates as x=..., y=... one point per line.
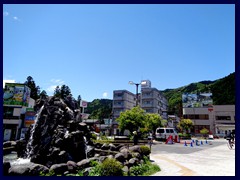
x=211, y=158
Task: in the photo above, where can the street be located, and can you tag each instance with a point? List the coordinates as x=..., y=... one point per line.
x=204, y=160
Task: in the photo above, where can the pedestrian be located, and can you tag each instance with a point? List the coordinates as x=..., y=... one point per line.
x=135, y=138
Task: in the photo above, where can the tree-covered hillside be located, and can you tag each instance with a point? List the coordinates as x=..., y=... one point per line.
x=223, y=91
x=99, y=108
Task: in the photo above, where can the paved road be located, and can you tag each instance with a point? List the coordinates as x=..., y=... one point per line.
x=204, y=160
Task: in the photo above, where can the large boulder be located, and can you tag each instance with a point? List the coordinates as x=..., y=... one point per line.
x=6, y=167
x=19, y=170
x=105, y=146
x=72, y=166
x=36, y=169
x=133, y=162
x=83, y=164
x=135, y=148
x=59, y=168
x=126, y=153
x=120, y=157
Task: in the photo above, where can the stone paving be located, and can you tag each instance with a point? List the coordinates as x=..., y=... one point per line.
x=208, y=161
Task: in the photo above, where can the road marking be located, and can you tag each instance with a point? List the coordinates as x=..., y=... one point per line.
x=184, y=171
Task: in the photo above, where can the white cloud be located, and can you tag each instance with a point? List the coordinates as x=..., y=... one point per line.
x=15, y=18
x=8, y=81
x=105, y=95
x=5, y=13
x=54, y=84
x=51, y=88
x=57, y=81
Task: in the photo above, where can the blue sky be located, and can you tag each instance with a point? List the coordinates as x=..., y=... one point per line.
x=95, y=49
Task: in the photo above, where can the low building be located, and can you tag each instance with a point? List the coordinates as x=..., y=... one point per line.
x=16, y=101
x=218, y=119
x=223, y=117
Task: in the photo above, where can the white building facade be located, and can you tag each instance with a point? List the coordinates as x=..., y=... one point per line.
x=218, y=119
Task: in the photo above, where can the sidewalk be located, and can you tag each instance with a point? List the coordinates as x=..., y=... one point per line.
x=214, y=161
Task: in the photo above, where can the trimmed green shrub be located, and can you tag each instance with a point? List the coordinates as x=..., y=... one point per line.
x=145, y=150
x=95, y=171
x=138, y=170
x=94, y=136
x=109, y=167
x=144, y=169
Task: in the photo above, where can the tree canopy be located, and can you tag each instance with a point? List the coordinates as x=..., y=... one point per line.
x=35, y=90
x=136, y=119
x=62, y=91
x=185, y=124
x=99, y=109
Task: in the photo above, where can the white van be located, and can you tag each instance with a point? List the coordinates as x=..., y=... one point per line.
x=164, y=133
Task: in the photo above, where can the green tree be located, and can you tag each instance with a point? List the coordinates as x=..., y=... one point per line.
x=35, y=90
x=153, y=121
x=99, y=108
x=65, y=91
x=57, y=92
x=132, y=119
x=204, y=132
x=185, y=124
x=43, y=94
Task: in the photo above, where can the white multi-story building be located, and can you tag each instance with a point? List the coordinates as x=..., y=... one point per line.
x=122, y=100
x=151, y=100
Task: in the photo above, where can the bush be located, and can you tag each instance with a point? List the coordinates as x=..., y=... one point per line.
x=180, y=134
x=144, y=169
x=145, y=150
x=184, y=135
x=94, y=136
x=95, y=171
x=109, y=167
x=138, y=170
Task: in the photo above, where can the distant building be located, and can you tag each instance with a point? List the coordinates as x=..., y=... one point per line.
x=218, y=119
x=122, y=100
x=18, y=112
x=151, y=100
x=223, y=117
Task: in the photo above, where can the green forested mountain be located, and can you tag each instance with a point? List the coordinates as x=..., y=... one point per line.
x=99, y=108
x=223, y=91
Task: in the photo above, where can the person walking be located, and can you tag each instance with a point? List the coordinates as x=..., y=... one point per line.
x=135, y=138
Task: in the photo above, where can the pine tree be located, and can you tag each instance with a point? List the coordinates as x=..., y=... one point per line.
x=35, y=90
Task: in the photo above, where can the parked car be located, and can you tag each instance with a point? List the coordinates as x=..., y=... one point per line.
x=164, y=133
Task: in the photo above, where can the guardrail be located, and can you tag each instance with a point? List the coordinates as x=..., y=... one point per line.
x=130, y=142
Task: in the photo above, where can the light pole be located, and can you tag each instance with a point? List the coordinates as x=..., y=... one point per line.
x=137, y=84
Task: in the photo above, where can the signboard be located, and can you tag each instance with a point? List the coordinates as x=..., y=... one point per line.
x=16, y=94
x=29, y=116
x=83, y=104
x=197, y=100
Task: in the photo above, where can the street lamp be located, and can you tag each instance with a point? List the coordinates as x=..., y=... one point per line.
x=137, y=84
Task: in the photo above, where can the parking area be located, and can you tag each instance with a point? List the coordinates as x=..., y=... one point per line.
x=203, y=160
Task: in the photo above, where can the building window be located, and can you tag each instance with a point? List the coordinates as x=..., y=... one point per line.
x=149, y=110
x=118, y=103
x=223, y=117
x=10, y=112
x=118, y=95
x=146, y=94
x=147, y=102
x=196, y=116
